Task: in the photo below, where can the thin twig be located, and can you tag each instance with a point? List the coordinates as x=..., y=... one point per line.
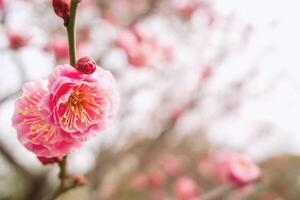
x=71, y=29
x=217, y=192
x=152, y=6
x=20, y=168
x=63, y=174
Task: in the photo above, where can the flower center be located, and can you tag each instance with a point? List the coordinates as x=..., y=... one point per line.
x=81, y=108
x=75, y=98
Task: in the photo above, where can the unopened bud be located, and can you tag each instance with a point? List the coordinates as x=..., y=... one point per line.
x=86, y=65
x=62, y=9
x=79, y=180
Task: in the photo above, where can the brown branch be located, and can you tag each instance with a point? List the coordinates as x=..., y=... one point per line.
x=9, y=96
x=153, y=4
x=66, y=184
x=13, y=162
x=217, y=192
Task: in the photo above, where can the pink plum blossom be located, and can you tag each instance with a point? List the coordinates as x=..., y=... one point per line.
x=34, y=130
x=17, y=38
x=81, y=104
x=236, y=168
x=186, y=188
x=243, y=170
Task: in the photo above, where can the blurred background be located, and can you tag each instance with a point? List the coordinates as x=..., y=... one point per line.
x=197, y=78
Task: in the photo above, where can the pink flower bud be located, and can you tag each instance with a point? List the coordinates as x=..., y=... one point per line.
x=186, y=188
x=17, y=39
x=47, y=161
x=86, y=65
x=79, y=180
x=62, y=9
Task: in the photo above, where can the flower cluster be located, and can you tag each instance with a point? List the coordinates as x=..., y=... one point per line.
x=142, y=48
x=53, y=120
x=172, y=174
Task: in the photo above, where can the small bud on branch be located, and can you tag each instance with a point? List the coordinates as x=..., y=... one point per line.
x=86, y=65
x=62, y=9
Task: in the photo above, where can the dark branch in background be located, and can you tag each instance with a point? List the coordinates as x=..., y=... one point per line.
x=22, y=76
x=36, y=182
x=3, y=150
x=8, y=97
x=103, y=5
x=217, y=192
x=153, y=4
x=13, y=162
x=65, y=183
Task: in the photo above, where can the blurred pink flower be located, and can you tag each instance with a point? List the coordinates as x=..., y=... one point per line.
x=60, y=48
x=157, y=178
x=206, y=73
x=186, y=188
x=221, y=161
x=236, y=168
x=178, y=112
x=186, y=8
x=137, y=50
x=205, y=167
x=34, y=130
x=158, y=195
x=139, y=182
x=87, y=4
x=171, y=164
x=81, y=104
x=243, y=170
x=110, y=17
x=17, y=38
x=2, y=4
